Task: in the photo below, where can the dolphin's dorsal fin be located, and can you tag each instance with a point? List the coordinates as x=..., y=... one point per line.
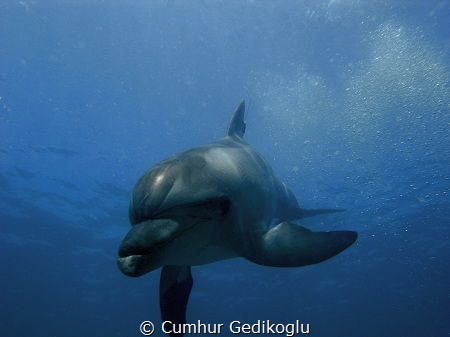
x=237, y=124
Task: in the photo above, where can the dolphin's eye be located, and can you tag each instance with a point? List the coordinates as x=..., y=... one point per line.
x=225, y=205
x=212, y=208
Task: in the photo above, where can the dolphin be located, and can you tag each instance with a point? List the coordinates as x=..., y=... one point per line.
x=216, y=202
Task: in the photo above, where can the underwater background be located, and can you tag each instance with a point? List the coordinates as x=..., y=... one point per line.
x=347, y=100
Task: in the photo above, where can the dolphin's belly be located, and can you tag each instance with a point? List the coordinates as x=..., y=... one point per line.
x=203, y=243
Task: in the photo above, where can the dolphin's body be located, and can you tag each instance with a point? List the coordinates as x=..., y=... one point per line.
x=216, y=202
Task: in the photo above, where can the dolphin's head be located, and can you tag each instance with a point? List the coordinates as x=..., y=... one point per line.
x=163, y=210
x=139, y=249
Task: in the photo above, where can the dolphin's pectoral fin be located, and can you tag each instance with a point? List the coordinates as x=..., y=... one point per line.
x=174, y=289
x=300, y=213
x=291, y=245
x=237, y=124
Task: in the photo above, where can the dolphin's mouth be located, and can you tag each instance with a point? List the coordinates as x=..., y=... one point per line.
x=141, y=248
x=145, y=237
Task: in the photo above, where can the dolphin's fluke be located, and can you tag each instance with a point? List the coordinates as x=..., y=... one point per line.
x=174, y=290
x=291, y=245
x=237, y=124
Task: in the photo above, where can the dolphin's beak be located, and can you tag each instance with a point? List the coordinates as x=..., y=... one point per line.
x=138, y=252
x=130, y=265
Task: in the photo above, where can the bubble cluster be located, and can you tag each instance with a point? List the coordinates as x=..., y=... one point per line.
x=399, y=98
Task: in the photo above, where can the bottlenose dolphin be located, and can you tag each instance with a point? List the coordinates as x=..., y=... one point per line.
x=216, y=202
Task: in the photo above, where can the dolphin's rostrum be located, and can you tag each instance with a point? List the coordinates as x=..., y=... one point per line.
x=216, y=202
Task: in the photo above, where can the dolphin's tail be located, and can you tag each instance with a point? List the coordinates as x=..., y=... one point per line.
x=174, y=290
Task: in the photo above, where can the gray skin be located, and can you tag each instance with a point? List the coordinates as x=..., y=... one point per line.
x=216, y=202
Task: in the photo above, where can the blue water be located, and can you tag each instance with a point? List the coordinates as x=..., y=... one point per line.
x=348, y=101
